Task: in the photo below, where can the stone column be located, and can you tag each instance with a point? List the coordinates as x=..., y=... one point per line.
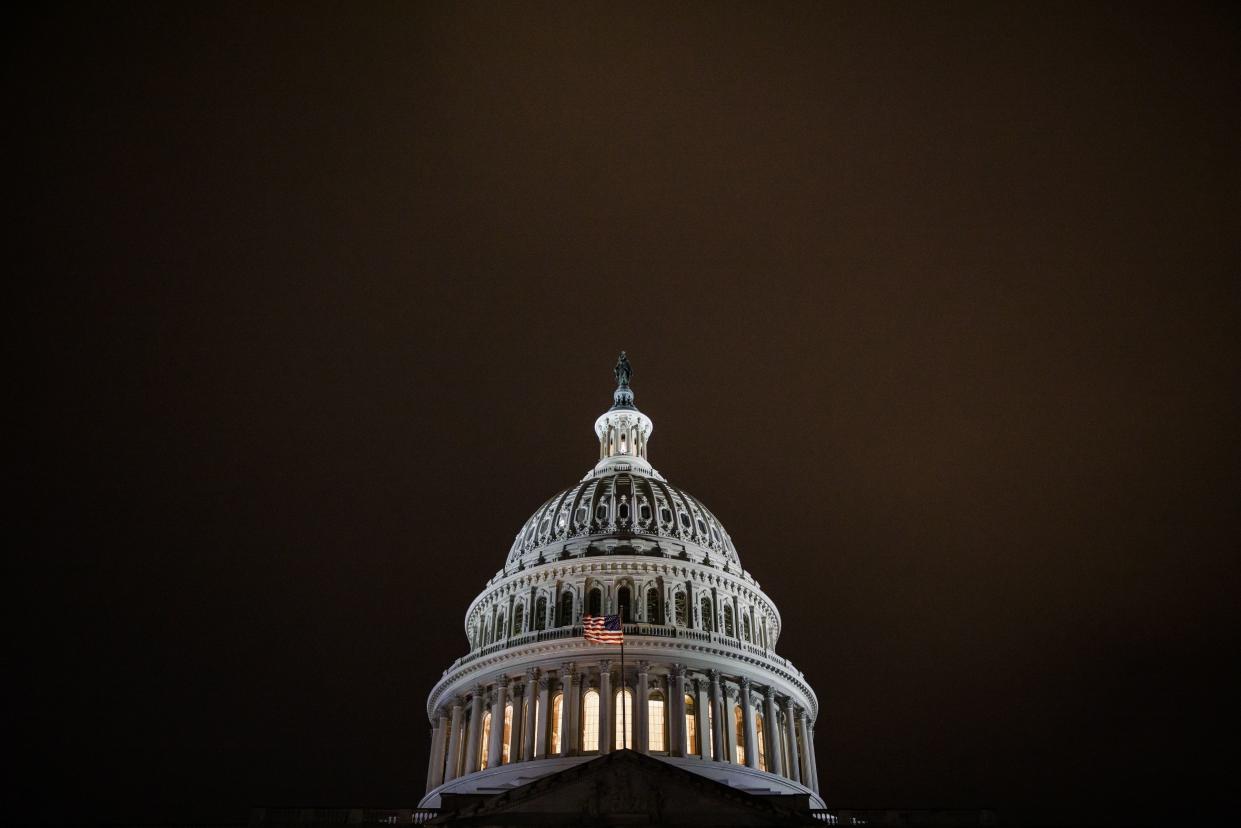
x=438, y=747
x=814, y=763
x=771, y=733
x=474, y=734
x=568, y=710
x=541, y=726
x=803, y=743
x=436, y=755
x=729, y=722
x=793, y=771
x=718, y=744
x=641, y=729
x=747, y=718
x=704, y=723
x=583, y=686
x=496, y=740
x=518, y=695
x=454, y=740
x=606, y=715
x=676, y=711
x=528, y=725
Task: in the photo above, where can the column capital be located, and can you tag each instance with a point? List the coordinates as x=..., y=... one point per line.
x=502, y=682
x=459, y=702
x=644, y=666
x=605, y=664
x=678, y=670
x=567, y=670
x=770, y=693
x=531, y=674
x=478, y=691
x=714, y=675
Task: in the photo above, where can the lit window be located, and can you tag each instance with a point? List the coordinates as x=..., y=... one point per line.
x=739, y=728
x=655, y=723
x=762, y=742
x=590, y=721
x=557, y=700
x=691, y=726
x=507, y=735
x=624, y=720
x=710, y=734
x=485, y=737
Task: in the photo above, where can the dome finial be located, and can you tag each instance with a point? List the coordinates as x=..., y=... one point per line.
x=623, y=396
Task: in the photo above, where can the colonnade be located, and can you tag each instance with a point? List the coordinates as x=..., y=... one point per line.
x=573, y=711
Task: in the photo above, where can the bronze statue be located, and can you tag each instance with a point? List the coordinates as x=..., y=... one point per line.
x=623, y=371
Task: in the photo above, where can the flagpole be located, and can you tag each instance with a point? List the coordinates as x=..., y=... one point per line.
x=624, y=711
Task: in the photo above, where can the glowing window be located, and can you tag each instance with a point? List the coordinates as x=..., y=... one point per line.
x=691, y=726
x=485, y=738
x=623, y=726
x=655, y=726
x=710, y=734
x=557, y=701
x=739, y=729
x=590, y=721
x=762, y=742
x=507, y=735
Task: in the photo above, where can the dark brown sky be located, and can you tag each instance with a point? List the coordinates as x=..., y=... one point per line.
x=936, y=306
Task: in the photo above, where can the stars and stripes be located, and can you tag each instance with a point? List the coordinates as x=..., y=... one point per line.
x=604, y=629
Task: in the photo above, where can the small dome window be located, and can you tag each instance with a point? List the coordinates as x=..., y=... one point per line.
x=561, y=521
x=644, y=512
x=684, y=520
x=580, y=516
x=665, y=514
x=601, y=512
x=622, y=512
x=702, y=527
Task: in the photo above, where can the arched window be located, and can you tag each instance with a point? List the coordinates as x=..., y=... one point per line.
x=729, y=627
x=507, y=735
x=540, y=613
x=739, y=729
x=519, y=616
x=594, y=605
x=557, y=701
x=566, y=610
x=681, y=609
x=745, y=626
x=499, y=627
x=652, y=607
x=484, y=739
x=708, y=620
x=762, y=741
x=622, y=605
x=623, y=724
x=691, y=726
x=590, y=721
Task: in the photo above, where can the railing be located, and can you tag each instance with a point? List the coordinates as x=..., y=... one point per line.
x=342, y=816
x=639, y=630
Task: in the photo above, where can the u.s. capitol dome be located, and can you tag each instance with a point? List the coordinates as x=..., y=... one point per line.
x=701, y=685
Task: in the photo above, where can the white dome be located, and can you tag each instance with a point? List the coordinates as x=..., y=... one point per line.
x=625, y=507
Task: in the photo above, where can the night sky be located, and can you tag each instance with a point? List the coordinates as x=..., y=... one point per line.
x=936, y=306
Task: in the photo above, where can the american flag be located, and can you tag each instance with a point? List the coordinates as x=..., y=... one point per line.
x=605, y=629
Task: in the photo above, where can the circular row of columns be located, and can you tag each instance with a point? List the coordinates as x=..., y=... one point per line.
x=453, y=756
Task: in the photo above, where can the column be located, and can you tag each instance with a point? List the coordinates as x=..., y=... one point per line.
x=583, y=686
x=704, y=723
x=438, y=747
x=730, y=728
x=676, y=711
x=517, y=694
x=771, y=733
x=473, y=735
x=540, y=723
x=790, y=727
x=528, y=725
x=454, y=739
x=568, y=710
x=718, y=744
x=747, y=718
x=641, y=727
x=496, y=740
x=606, y=712
x=814, y=764
x=436, y=755
x=803, y=742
